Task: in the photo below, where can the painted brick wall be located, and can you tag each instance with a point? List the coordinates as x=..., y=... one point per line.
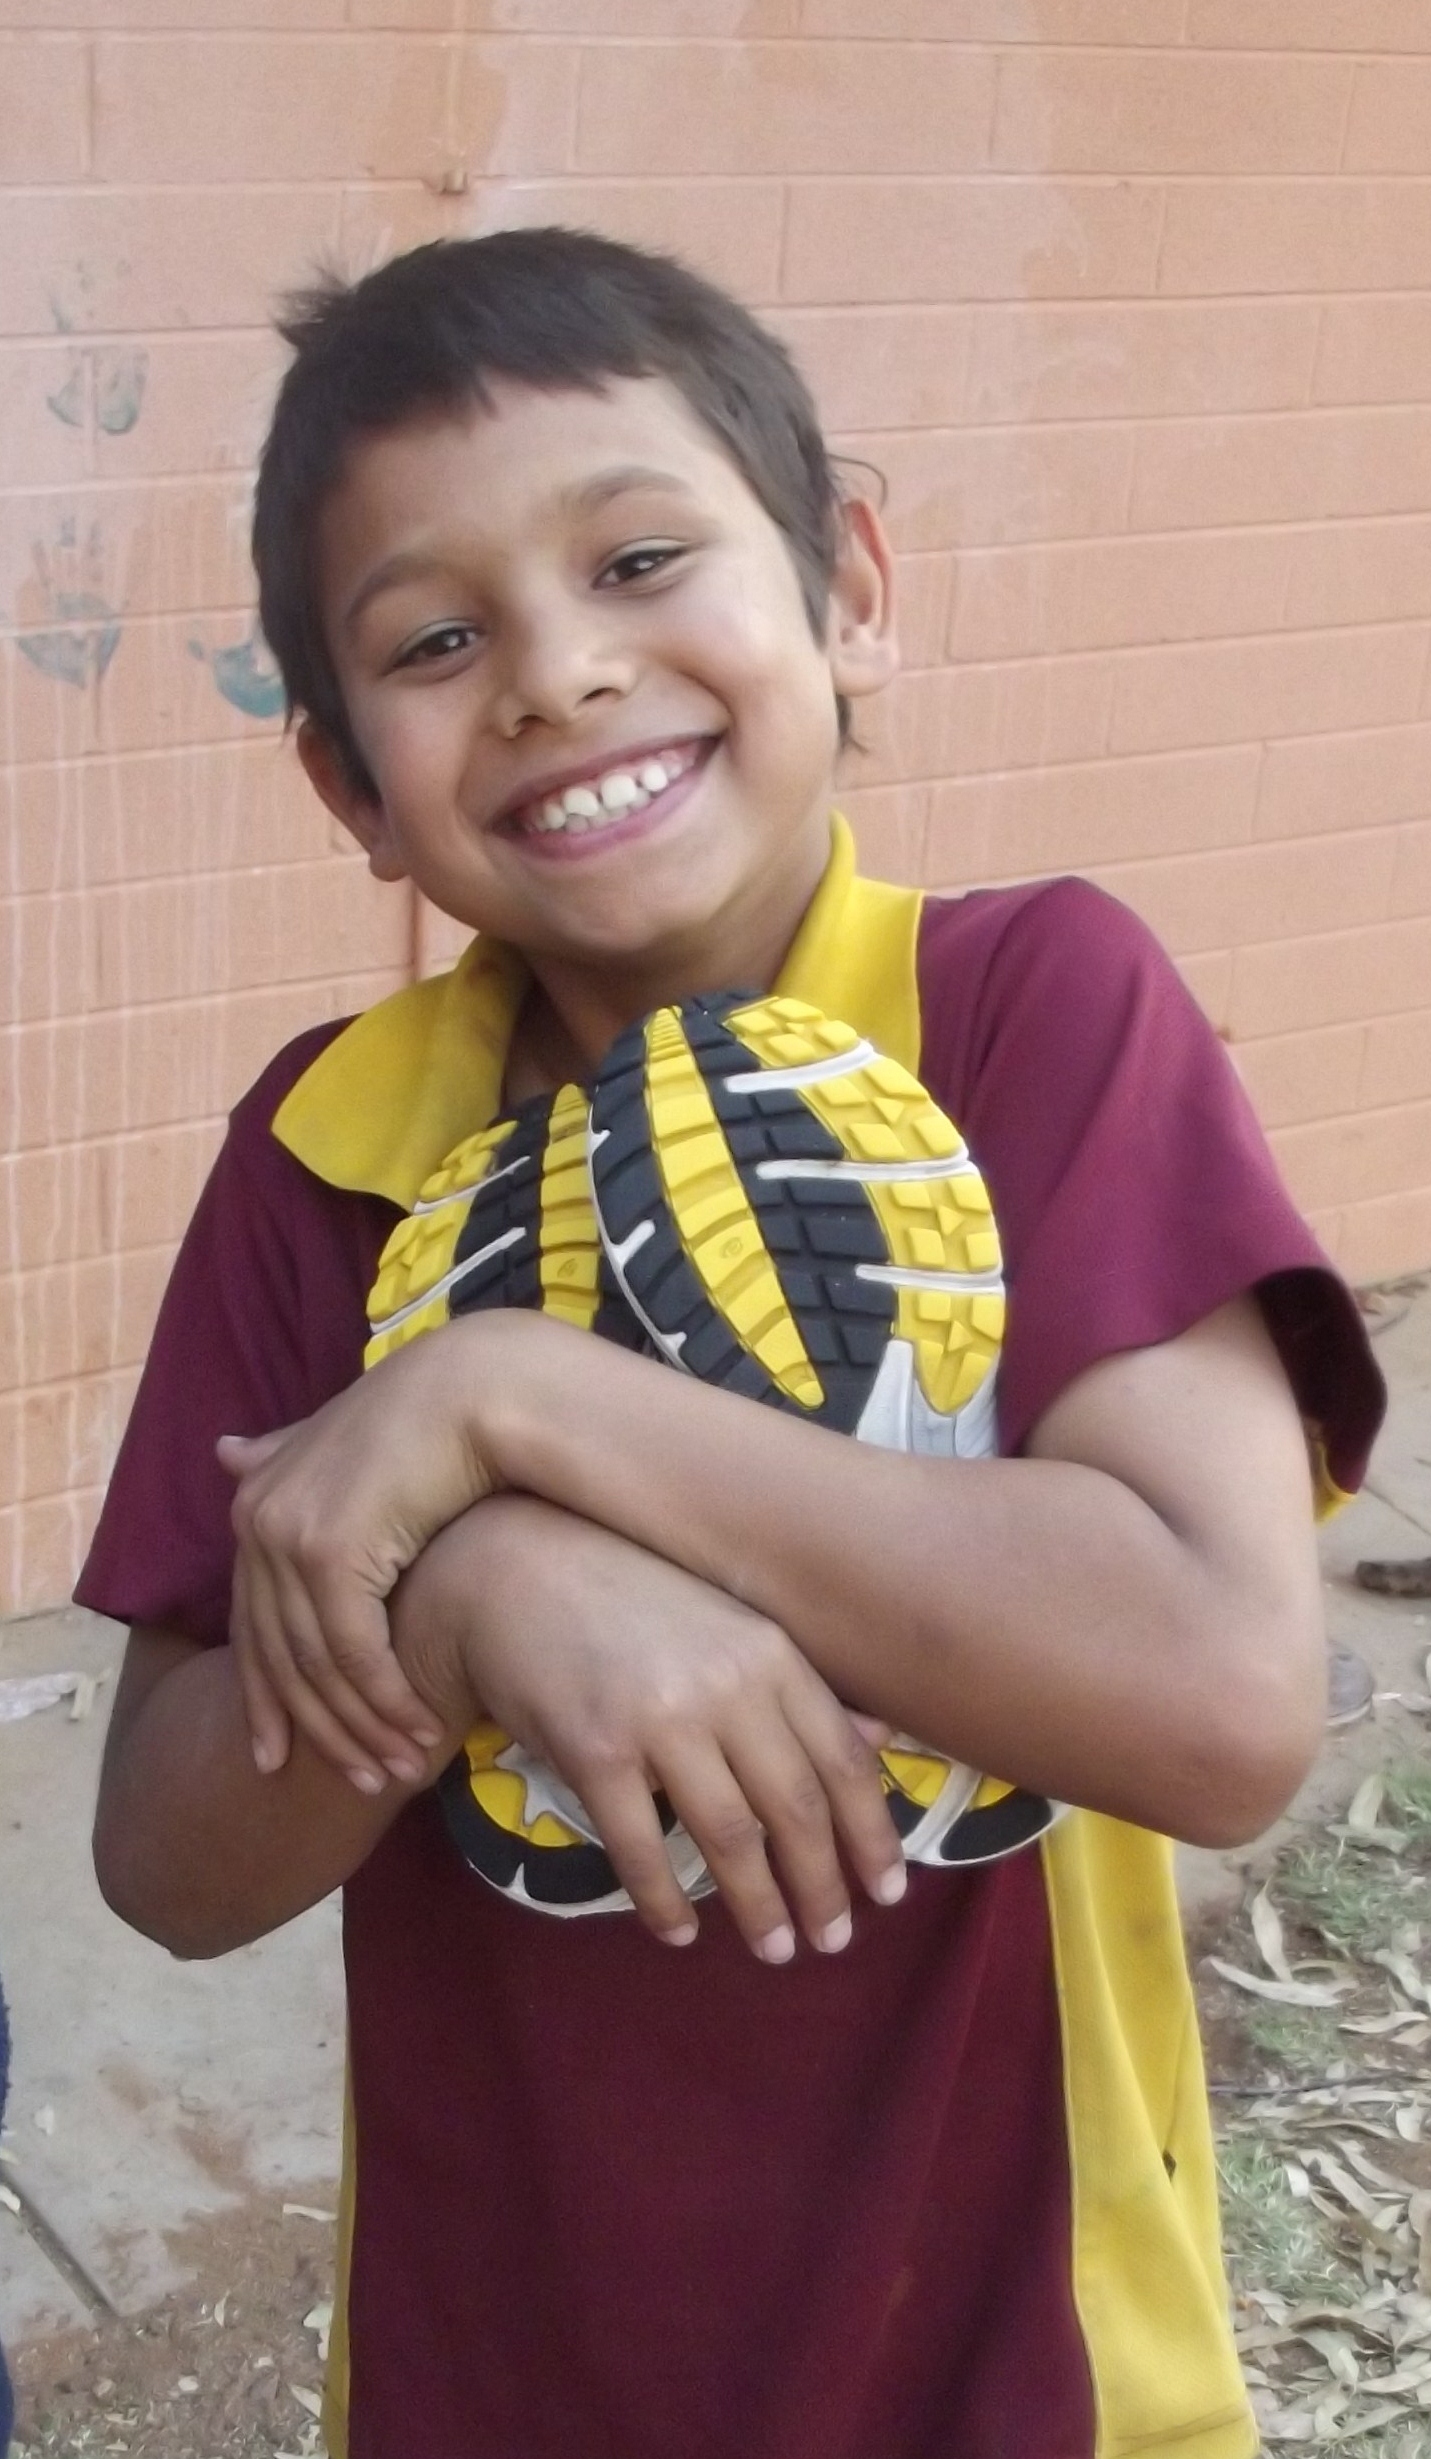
x=1130, y=299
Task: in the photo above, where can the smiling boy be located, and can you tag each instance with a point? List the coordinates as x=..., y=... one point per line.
x=572, y=612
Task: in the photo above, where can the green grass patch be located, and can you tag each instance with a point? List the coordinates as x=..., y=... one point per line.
x=1296, y=2040
x=1272, y=2240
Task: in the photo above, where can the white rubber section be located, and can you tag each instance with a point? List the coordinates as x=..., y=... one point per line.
x=813, y=1071
x=449, y=1280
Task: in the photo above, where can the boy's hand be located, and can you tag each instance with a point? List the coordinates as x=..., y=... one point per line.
x=328, y=1514
x=629, y=1676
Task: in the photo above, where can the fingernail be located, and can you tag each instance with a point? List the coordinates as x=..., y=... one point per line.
x=835, y=1935
x=367, y=1779
x=778, y=1946
x=407, y=1771
x=427, y=1736
x=682, y=1936
x=891, y=1884
x=265, y=1758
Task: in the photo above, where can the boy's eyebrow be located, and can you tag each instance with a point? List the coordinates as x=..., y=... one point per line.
x=412, y=563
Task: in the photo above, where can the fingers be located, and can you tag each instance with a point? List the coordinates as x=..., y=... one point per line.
x=847, y=1770
x=623, y=1812
x=268, y=1661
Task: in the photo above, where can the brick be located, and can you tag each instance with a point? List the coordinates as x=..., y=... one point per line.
x=44, y=108
x=1379, y=1152
x=101, y=1076
x=1381, y=1240
x=1312, y=466
x=152, y=1181
x=889, y=824
x=882, y=366
x=1112, y=592
x=1359, y=572
x=145, y=549
x=1411, y=887
x=52, y=1206
x=201, y=403
x=1003, y=21
x=1396, y=1062
x=320, y=107
x=673, y=20
x=61, y=1436
x=784, y=107
x=179, y=16
x=1209, y=978
x=1125, y=112
x=1257, y=893
x=973, y=718
x=942, y=240
x=1389, y=126
x=1363, y=779
x=1301, y=235
x=1246, y=690
x=1067, y=819
x=1331, y=25
x=729, y=229
x=923, y=587
x=175, y=939
x=1294, y=1077
x=80, y=1319
x=50, y=1541
x=1144, y=358
x=986, y=486
x=164, y=687
x=214, y=808
x=1336, y=978
x=44, y=716
x=45, y=414
x=1374, y=350
x=143, y=258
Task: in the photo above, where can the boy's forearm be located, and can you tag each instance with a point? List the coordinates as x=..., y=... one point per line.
x=192, y=1845
x=1034, y=1617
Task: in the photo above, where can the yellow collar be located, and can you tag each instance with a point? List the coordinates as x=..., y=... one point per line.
x=400, y=1086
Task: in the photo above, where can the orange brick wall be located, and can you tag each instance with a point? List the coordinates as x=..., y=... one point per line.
x=1130, y=299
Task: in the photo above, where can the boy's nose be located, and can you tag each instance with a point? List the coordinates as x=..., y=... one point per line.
x=553, y=665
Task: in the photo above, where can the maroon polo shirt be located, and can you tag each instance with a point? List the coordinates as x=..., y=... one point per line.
x=615, y=2203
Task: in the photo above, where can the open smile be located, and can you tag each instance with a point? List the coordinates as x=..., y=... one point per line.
x=614, y=800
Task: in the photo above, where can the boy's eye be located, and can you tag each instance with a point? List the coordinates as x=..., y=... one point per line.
x=444, y=640
x=637, y=563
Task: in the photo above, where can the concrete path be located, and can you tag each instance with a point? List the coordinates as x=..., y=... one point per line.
x=149, y=2096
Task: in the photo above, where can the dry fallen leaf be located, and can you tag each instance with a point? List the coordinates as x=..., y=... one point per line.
x=1364, y=1808
x=306, y=2398
x=1285, y=1993
x=1267, y=1930
x=307, y=2211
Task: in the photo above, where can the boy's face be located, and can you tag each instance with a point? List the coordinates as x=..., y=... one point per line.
x=575, y=656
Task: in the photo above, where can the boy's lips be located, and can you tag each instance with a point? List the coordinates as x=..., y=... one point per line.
x=604, y=792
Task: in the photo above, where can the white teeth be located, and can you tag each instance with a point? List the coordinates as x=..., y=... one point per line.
x=608, y=798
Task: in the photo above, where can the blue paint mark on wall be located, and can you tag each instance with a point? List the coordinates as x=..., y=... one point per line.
x=245, y=676
x=120, y=378
x=68, y=400
x=83, y=647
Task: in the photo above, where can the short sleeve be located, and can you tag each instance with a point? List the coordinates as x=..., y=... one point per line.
x=262, y=1321
x=1133, y=1187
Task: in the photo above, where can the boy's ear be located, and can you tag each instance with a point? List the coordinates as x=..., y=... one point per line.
x=861, y=638
x=362, y=816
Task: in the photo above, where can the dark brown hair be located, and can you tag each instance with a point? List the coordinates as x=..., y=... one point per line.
x=430, y=332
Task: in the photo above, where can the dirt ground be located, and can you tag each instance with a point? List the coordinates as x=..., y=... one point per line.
x=1314, y=1982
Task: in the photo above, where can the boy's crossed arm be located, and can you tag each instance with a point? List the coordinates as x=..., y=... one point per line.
x=1128, y=1618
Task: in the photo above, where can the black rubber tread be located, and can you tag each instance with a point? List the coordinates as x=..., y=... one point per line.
x=1004, y=1826
x=556, y=1874
x=513, y=1276
x=816, y=1230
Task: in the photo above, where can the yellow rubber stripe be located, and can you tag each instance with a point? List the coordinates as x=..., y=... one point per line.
x=420, y=1251
x=570, y=1264
x=502, y=1793
x=712, y=1213
x=879, y=1112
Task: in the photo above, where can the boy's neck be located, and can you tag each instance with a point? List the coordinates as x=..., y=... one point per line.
x=573, y=1013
